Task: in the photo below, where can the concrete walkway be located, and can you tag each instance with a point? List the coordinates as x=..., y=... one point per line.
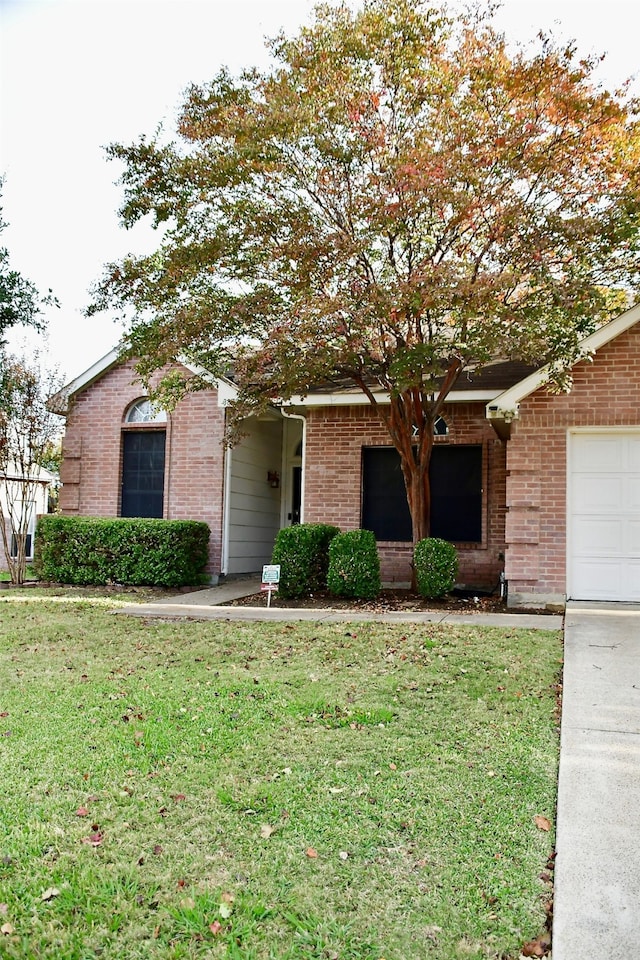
x=597, y=875
x=207, y=605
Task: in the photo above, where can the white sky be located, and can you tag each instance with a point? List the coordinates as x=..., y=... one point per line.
x=76, y=75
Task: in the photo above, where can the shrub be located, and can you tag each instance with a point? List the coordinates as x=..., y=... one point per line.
x=132, y=551
x=436, y=566
x=302, y=552
x=354, y=565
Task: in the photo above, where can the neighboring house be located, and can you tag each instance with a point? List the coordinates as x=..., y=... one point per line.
x=543, y=487
x=13, y=501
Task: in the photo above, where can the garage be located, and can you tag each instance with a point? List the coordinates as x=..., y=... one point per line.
x=603, y=550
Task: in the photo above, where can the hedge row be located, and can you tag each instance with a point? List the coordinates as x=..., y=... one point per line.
x=135, y=552
x=315, y=556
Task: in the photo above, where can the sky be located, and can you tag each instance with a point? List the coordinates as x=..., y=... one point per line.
x=76, y=75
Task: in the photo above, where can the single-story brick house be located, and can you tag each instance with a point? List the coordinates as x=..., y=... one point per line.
x=542, y=487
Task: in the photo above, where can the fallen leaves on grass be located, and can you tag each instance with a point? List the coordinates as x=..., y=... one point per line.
x=311, y=853
x=542, y=823
x=266, y=831
x=7, y=929
x=226, y=905
x=537, y=948
x=50, y=893
x=94, y=839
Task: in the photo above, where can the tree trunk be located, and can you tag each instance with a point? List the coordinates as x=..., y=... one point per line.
x=415, y=457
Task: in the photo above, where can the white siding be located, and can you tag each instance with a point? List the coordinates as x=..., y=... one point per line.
x=254, y=506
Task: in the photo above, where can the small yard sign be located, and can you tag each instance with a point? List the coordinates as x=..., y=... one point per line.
x=270, y=579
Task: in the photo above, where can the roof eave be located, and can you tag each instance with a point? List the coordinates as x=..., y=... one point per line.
x=505, y=406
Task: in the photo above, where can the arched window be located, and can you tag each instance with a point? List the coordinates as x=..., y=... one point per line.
x=143, y=460
x=144, y=411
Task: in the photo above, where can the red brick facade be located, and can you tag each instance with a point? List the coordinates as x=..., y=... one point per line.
x=335, y=438
x=606, y=393
x=194, y=468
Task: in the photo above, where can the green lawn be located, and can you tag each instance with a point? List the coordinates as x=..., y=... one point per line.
x=288, y=791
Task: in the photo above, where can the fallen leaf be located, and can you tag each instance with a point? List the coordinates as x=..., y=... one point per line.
x=94, y=839
x=50, y=893
x=542, y=823
x=392, y=766
x=343, y=855
x=226, y=910
x=266, y=831
x=176, y=797
x=215, y=927
x=82, y=812
x=311, y=853
x=7, y=929
x=534, y=949
x=157, y=849
x=228, y=897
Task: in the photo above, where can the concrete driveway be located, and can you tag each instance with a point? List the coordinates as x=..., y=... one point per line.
x=597, y=875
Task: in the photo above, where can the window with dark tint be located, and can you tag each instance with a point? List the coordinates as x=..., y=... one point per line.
x=456, y=493
x=143, y=473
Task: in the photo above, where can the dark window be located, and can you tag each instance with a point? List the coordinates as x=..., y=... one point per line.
x=28, y=546
x=456, y=493
x=143, y=473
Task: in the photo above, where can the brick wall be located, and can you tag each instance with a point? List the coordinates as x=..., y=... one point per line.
x=606, y=393
x=335, y=437
x=194, y=463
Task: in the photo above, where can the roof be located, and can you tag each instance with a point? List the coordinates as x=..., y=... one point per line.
x=59, y=402
x=483, y=384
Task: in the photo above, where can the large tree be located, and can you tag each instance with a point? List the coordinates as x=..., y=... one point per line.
x=403, y=195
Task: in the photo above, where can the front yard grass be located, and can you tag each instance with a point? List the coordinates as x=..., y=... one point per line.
x=242, y=790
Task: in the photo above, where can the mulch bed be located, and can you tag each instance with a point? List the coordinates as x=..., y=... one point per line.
x=388, y=601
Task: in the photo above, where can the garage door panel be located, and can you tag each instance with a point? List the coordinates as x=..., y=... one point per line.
x=597, y=453
x=604, y=516
x=631, y=581
x=598, y=492
x=632, y=493
x=633, y=537
x=598, y=578
x=633, y=453
x=596, y=537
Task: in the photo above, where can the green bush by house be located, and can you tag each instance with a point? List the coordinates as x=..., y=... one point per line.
x=436, y=566
x=303, y=554
x=132, y=551
x=354, y=565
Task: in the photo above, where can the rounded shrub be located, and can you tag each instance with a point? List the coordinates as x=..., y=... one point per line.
x=354, y=565
x=436, y=565
x=303, y=554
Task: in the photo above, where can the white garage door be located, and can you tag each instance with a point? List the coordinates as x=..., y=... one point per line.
x=604, y=516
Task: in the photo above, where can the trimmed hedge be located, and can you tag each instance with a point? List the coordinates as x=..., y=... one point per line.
x=436, y=566
x=303, y=554
x=132, y=551
x=354, y=565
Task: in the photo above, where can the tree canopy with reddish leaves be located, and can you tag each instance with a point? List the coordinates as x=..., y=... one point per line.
x=401, y=196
